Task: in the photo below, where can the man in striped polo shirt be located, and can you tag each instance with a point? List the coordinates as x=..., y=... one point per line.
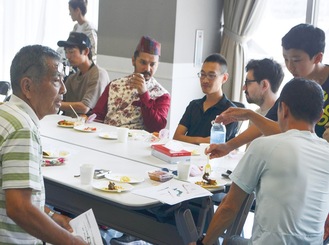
x=37, y=83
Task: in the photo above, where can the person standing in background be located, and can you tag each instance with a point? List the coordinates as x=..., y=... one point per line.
x=77, y=11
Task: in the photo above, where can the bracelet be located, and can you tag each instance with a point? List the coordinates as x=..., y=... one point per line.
x=51, y=213
x=199, y=241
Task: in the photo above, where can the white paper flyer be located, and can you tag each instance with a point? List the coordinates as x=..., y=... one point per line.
x=173, y=191
x=86, y=227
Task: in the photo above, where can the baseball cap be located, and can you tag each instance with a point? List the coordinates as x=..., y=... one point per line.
x=149, y=45
x=76, y=39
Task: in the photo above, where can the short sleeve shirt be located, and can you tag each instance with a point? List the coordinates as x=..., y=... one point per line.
x=87, y=87
x=198, y=122
x=20, y=164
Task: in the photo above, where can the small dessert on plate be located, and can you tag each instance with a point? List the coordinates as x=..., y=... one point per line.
x=66, y=124
x=111, y=186
x=206, y=181
x=159, y=175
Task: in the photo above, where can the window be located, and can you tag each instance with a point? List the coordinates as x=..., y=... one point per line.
x=278, y=18
x=25, y=22
x=322, y=20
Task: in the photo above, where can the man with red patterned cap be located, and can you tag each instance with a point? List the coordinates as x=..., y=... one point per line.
x=137, y=101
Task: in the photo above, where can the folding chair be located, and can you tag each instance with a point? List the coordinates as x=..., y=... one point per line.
x=5, y=88
x=237, y=226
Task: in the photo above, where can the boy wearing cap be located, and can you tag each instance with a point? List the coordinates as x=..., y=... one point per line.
x=87, y=84
x=137, y=101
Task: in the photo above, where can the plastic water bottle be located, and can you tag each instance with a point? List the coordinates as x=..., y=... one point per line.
x=217, y=133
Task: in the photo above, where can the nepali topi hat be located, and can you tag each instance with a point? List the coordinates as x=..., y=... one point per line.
x=149, y=45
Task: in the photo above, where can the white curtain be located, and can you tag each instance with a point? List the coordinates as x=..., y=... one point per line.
x=26, y=22
x=240, y=19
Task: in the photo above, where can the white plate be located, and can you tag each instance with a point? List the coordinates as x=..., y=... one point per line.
x=103, y=186
x=85, y=128
x=120, y=178
x=56, y=154
x=109, y=135
x=138, y=134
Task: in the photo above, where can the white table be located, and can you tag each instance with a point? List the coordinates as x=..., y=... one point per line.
x=126, y=212
x=136, y=150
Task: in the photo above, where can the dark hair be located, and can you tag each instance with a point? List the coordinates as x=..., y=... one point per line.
x=304, y=98
x=136, y=54
x=31, y=61
x=267, y=69
x=217, y=58
x=90, y=55
x=308, y=38
x=81, y=4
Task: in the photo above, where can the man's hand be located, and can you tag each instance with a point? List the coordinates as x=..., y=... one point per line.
x=63, y=221
x=137, y=81
x=218, y=150
x=233, y=114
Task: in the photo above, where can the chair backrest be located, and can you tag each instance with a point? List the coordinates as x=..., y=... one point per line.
x=237, y=226
x=5, y=88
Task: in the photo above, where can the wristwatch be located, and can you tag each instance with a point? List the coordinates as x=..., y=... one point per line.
x=51, y=213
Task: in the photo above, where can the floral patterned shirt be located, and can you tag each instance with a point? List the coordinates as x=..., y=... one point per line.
x=122, y=106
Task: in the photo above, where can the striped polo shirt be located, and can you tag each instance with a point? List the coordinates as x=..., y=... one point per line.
x=20, y=164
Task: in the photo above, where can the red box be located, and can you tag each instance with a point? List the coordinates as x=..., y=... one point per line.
x=163, y=153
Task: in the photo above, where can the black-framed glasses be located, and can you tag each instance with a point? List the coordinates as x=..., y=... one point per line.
x=247, y=81
x=64, y=70
x=210, y=76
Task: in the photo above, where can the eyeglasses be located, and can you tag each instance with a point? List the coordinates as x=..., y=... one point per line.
x=249, y=81
x=63, y=69
x=211, y=76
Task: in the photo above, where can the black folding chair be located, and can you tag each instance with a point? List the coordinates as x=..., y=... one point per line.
x=237, y=226
x=5, y=89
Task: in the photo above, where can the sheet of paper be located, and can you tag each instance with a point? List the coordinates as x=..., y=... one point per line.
x=173, y=191
x=85, y=226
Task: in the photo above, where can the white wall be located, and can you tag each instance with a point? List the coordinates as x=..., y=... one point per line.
x=174, y=24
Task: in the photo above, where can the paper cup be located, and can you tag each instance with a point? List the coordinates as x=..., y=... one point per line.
x=123, y=135
x=183, y=170
x=86, y=173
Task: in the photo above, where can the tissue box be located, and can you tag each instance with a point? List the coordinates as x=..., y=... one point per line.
x=165, y=154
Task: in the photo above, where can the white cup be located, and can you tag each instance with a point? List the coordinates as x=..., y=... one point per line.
x=79, y=121
x=183, y=170
x=86, y=173
x=123, y=135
